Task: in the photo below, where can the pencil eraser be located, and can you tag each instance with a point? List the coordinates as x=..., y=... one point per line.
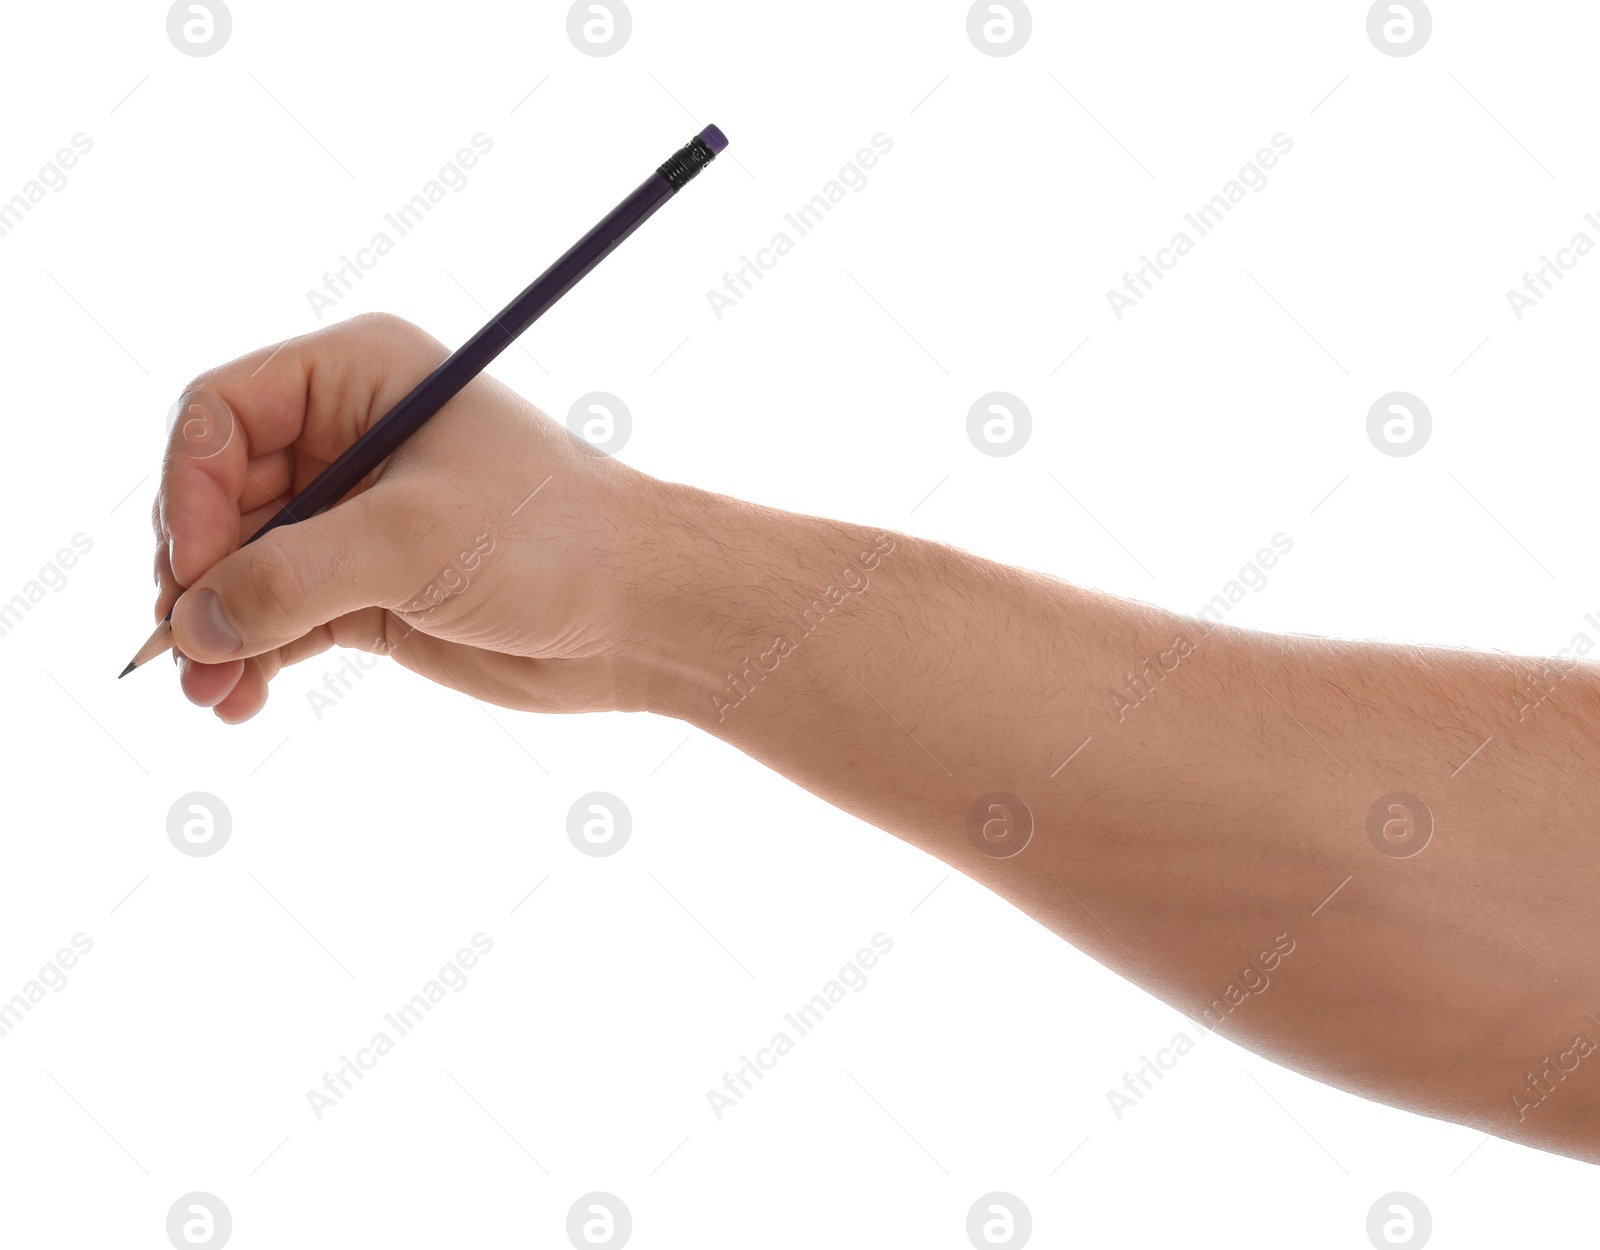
x=714, y=139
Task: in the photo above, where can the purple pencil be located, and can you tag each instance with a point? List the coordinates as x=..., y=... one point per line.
x=472, y=357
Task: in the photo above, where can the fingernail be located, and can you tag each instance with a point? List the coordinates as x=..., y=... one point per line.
x=210, y=625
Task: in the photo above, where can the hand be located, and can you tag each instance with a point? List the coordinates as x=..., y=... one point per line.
x=493, y=552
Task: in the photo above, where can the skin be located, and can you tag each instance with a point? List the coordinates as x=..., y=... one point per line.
x=1206, y=836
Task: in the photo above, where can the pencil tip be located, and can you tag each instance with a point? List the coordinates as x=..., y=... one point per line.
x=132, y=664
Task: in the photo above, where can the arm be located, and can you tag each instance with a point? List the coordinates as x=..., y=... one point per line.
x=1226, y=824
x=1188, y=829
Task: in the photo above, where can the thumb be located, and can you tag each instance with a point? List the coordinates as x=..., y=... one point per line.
x=297, y=577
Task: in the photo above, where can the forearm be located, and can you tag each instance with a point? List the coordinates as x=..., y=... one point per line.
x=1186, y=824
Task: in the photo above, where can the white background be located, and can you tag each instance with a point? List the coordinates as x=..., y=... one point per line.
x=371, y=843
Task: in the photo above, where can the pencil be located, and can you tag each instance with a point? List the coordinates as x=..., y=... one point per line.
x=472, y=357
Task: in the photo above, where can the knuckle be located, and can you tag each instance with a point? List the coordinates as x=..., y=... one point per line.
x=275, y=583
x=201, y=381
x=388, y=327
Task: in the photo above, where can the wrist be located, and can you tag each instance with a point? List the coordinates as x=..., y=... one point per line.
x=722, y=592
x=690, y=585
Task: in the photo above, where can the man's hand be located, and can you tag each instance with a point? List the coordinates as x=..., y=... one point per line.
x=490, y=553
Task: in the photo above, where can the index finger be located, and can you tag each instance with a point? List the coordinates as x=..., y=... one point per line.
x=315, y=394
